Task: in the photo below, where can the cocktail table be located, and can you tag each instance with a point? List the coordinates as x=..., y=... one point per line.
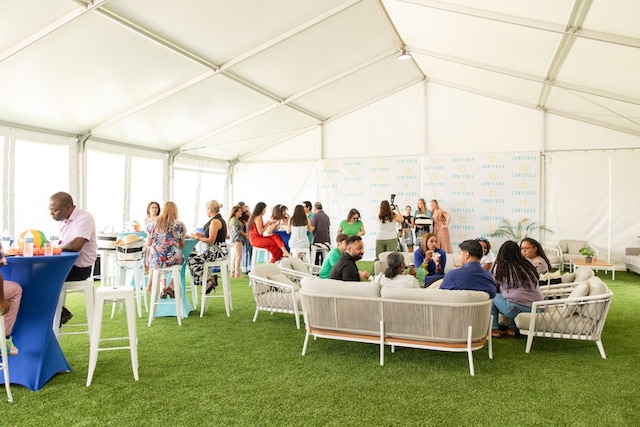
x=594, y=265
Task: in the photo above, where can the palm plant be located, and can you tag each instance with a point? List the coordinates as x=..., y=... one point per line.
x=524, y=228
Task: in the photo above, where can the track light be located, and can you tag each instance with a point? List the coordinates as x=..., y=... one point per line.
x=404, y=54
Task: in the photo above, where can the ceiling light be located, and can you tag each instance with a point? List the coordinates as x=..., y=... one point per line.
x=404, y=54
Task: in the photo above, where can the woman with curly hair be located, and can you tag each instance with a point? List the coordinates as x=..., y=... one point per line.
x=517, y=281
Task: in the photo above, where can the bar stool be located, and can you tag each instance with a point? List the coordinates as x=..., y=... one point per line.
x=321, y=249
x=303, y=254
x=164, y=272
x=86, y=287
x=137, y=267
x=4, y=363
x=259, y=256
x=225, y=273
x=109, y=294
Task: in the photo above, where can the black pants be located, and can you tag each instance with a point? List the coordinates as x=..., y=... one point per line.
x=78, y=273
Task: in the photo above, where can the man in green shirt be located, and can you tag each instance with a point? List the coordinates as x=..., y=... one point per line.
x=334, y=256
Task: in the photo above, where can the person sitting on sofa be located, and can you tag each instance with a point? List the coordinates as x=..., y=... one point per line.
x=471, y=276
x=430, y=257
x=346, y=268
x=393, y=277
x=334, y=256
x=517, y=280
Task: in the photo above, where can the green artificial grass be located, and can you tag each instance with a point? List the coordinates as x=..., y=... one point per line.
x=230, y=371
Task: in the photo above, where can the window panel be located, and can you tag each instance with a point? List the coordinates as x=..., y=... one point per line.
x=105, y=188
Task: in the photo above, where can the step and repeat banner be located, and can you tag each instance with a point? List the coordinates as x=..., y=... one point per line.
x=477, y=190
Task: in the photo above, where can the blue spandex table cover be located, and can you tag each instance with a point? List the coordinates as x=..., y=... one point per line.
x=284, y=236
x=41, y=278
x=167, y=310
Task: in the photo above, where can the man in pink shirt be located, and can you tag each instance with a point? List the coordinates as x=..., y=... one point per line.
x=77, y=234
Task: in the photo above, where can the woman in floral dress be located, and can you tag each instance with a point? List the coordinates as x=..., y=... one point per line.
x=165, y=241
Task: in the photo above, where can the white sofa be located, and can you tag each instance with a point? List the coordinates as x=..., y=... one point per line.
x=433, y=319
x=632, y=259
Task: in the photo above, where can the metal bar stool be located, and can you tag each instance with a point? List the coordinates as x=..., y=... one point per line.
x=225, y=273
x=86, y=287
x=110, y=294
x=4, y=363
x=166, y=272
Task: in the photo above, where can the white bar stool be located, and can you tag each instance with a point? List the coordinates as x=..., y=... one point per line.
x=86, y=287
x=175, y=271
x=137, y=267
x=225, y=273
x=303, y=254
x=4, y=363
x=259, y=256
x=324, y=250
x=109, y=294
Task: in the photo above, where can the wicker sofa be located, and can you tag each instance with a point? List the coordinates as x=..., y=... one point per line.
x=433, y=319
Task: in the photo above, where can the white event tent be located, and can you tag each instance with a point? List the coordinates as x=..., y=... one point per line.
x=504, y=109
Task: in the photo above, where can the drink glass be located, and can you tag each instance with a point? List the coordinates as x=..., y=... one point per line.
x=48, y=249
x=55, y=241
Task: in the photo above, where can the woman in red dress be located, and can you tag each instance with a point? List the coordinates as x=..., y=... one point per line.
x=260, y=233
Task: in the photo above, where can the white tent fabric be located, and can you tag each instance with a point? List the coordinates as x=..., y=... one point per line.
x=268, y=92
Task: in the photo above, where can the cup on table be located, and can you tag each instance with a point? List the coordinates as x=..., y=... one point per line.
x=48, y=249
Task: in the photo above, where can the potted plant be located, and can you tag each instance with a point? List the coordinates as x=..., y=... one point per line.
x=588, y=254
x=516, y=232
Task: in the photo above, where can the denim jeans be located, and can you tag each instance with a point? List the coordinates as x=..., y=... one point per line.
x=509, y=309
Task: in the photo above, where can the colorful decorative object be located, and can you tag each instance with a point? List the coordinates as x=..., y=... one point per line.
x=39, y=238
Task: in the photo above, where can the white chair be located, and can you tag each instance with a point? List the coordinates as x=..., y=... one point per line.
x=554, y=255
x=175, y=273
x=105, y=294
x=86, y=287
x=274, y=292
x=4, y=363
x=260, y=256
x=323, y=249
x=302, y=254
x=138, y=282
x=225, y=275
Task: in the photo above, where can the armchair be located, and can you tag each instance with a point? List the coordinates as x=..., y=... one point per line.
x=580, y=316
x=555, y=256
x=274, y=292
x=571, y=249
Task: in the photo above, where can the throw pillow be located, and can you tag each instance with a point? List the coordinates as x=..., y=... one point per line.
x=581, y=290
x=568, y=277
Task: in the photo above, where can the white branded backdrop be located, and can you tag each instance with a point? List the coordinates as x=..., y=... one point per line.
x=478, y=190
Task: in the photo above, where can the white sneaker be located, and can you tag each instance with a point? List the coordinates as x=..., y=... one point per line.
x=12, y=350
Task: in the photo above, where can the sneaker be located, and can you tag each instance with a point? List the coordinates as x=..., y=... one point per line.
x=12, y=350
x=65, y=316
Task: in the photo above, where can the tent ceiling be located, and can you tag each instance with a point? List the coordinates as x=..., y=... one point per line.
x=225, y=78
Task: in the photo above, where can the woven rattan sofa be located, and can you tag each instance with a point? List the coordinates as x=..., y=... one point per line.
x=432, y=319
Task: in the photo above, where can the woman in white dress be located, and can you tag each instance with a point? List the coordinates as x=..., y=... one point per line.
x=297, y=227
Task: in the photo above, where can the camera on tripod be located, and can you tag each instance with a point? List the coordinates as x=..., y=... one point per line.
x=392, y=200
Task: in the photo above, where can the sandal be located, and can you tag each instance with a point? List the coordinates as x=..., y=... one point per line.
x=212, y=284
x=170, y=294
x=496, y=333
x=513, y=333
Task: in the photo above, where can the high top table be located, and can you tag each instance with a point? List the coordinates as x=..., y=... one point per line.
x=41, y=278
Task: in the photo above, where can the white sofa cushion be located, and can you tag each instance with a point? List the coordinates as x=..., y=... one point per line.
x=568, y=277
x=574, y=246
x=581, y=290
x=315, y=285
x=281, y=278
x=583, y=274
x=434, y=295
x=597, y=286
